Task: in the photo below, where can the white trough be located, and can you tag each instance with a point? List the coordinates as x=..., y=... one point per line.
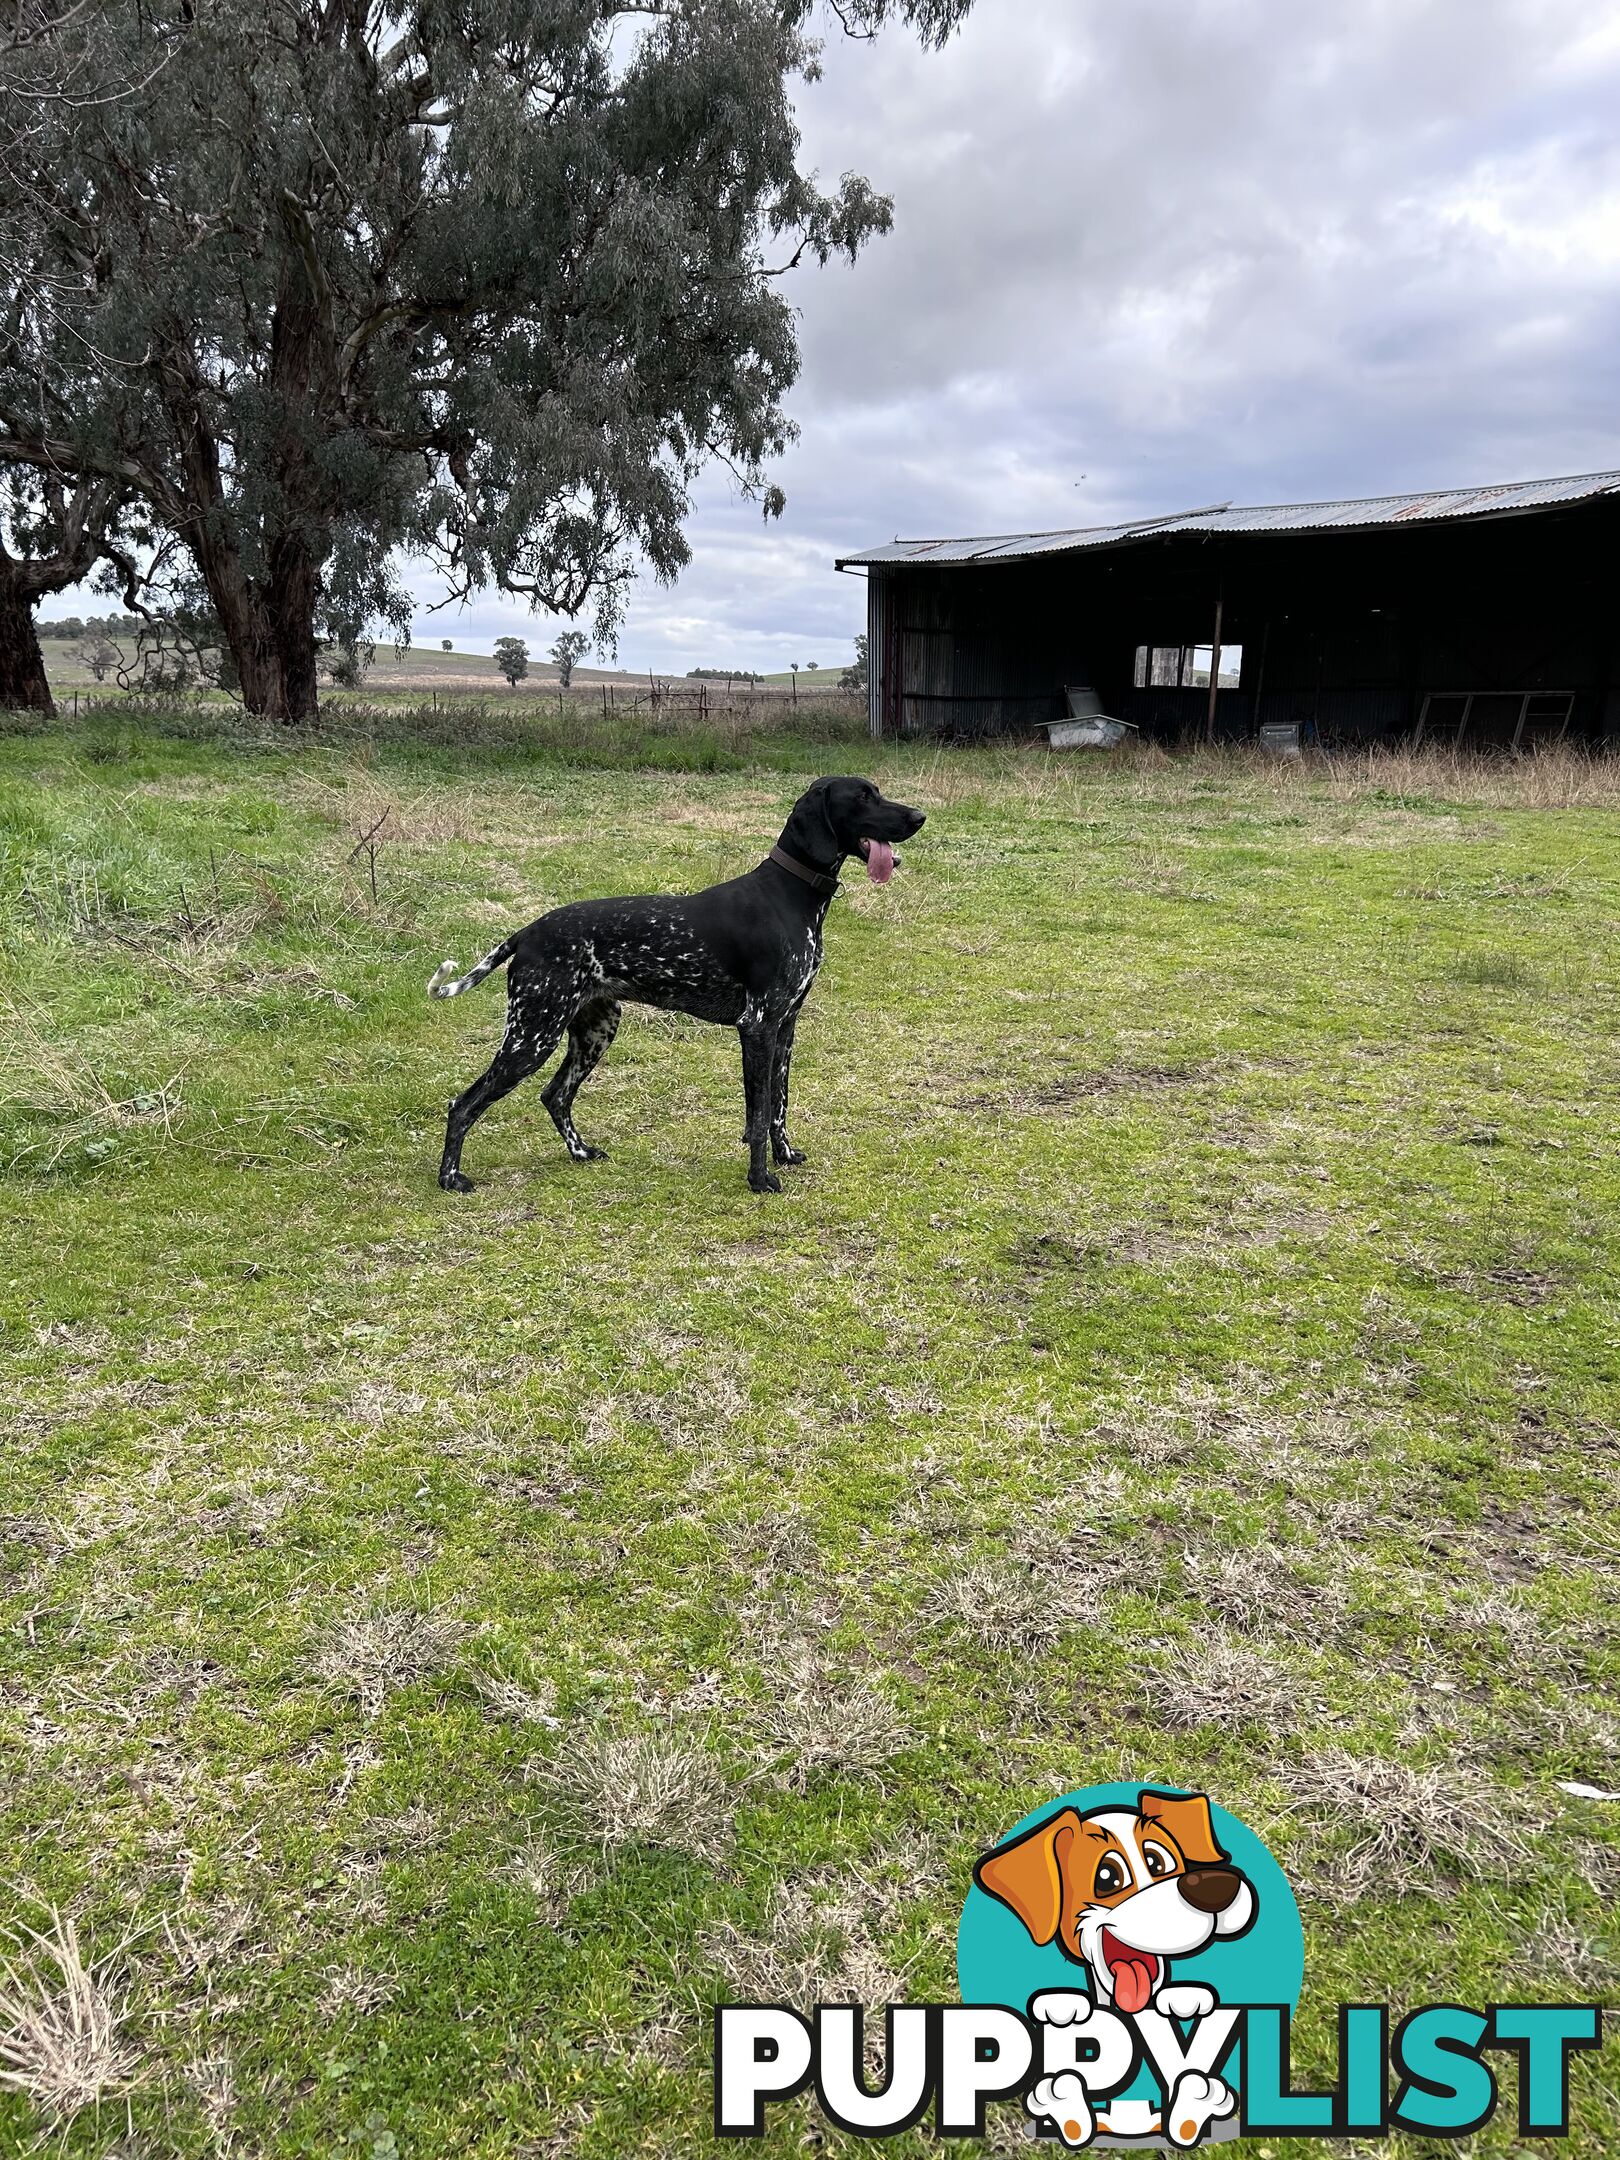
x=1087, y=726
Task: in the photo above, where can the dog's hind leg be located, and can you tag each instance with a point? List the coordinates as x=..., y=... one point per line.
x=781, y=1146
x=590, y=1033
x=535, y=1018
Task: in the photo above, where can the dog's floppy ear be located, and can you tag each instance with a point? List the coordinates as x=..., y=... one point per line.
x=824, y=803
x=1027, y=1874
x=1187, y=1819
x=810, y=829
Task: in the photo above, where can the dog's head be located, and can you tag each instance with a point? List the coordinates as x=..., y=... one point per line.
x=843, y=816
x=1123, y=1890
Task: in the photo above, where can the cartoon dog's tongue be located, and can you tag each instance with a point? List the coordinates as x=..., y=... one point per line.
x=1133, y=1972
x=1133, y=1984
x=879, y=861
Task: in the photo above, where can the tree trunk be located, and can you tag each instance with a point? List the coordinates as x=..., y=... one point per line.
x=269, y=626
x=294, y=591
x=23, y=686
x=267, y=623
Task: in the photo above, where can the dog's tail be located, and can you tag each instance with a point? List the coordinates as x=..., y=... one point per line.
x=442, y=985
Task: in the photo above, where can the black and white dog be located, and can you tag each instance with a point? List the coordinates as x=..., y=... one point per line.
x=742, y=954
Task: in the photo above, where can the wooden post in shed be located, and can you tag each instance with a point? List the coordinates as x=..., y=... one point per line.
x=1260, y=680
x=1215, y=665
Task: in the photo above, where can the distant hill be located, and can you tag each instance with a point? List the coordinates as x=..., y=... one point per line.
x=823, y=677
x=419, y=667
x=427, y=667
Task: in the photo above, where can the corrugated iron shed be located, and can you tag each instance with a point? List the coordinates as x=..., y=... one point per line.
x=1437, y=507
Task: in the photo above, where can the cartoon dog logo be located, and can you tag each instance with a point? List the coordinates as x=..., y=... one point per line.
x=1122, y=1891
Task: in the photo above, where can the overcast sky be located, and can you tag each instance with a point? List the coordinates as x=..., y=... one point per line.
x=1169, y=252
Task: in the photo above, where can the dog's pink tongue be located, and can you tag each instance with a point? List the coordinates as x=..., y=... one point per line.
x=879, y=861
x=1133, y=1984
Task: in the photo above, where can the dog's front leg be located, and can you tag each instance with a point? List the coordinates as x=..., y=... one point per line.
x=758, y=1064
x=781, y=1146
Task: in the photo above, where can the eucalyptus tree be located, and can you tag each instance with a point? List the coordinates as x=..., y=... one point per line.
x=51, y=535
x=567, y=653
x=488, y=280
x=55, y=522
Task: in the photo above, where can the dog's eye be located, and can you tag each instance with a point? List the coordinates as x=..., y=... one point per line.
x=1158, y=1860
x=1110, y=1877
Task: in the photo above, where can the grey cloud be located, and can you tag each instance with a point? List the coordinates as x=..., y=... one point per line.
x=1171, y=252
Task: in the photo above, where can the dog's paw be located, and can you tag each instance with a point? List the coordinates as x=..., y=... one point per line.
x=1182, y=1999
x=456, y=1181
x=791, y=1155
x=1060, y=2006
x=1063, y=2103
x=767, y=1181
x=1198, y=2100
x=586, y=1153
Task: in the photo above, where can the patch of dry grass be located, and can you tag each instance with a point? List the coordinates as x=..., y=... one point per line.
x=820, y=1941
x=212, y=2078
x=1007, y=1604
x=54, y=1082
x=1221, y=1680
x=352, y=1988
x=552, y=1877
x=815, y=1723
x=620, y=1790
x=1562, y=1947
x=63, y=2043
x=1258, y=1590
x=384, y=1647
x=1565, y=777
x=1405, y=1824
x=510, y=1699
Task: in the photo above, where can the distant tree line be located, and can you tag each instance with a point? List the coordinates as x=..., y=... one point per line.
x=295, y=288
x=78, y=626
x=722, y=674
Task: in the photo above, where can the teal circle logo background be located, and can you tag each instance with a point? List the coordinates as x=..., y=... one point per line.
x=997, y=1961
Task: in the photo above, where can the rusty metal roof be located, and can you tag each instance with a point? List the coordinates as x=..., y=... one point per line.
x=1438, y=506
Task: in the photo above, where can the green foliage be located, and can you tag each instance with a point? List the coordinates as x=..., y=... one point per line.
x=855, y=678
x=512, y=658
x=570, y=648
x=349, y=653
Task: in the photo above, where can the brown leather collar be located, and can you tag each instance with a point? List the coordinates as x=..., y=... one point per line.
x=818, y=879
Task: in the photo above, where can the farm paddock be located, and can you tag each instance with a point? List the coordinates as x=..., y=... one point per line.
x=449, y=1644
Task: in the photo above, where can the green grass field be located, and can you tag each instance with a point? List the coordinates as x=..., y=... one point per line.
x=449, y=1644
